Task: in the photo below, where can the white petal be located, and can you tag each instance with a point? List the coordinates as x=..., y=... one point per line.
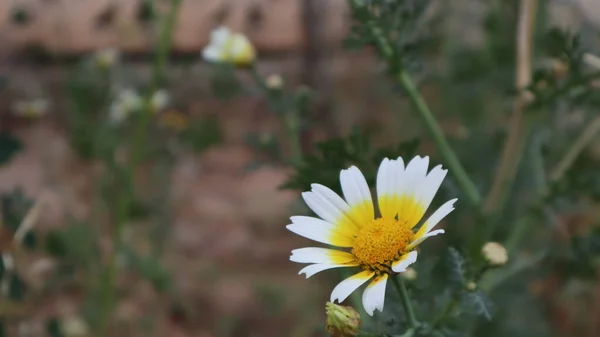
x=404, y=261
x=435, y=218
x=316, y=268
x=329, y=206
x=356, y=190
x=388, y=179
x=421, y=239
x=415, y=172
x=212, y=54
x=320, y=231
x=347, y=286
x=430, y=185
x=374, y=295
x=219, y=36
x=8, y=261
x=321, y=255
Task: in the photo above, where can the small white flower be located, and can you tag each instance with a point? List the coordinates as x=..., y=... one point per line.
x=33, y=108
x=274, y=82
x=380, y=246
x=106, y=58
x=228, y=47
x=127, y=102
x=159, y=100
x=74, y=326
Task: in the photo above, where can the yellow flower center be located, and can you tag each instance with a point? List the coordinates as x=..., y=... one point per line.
x=381, y=242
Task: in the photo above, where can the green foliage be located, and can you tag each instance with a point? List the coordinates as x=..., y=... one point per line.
x=53, y=328
x=9, y=146
x=201, y=134
x=224, y=83
x=75, y=244
x=333, y=155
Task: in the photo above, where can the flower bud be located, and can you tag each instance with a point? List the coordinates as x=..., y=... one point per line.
x=106, y=58
x=342, y=321
x=410, y=274
x=274, y=82
x=495, y=253
x=471, y=286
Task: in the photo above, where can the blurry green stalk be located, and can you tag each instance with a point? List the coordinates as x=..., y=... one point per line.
x=394, y=62
x=290, y=116
x=124, y=200
x=403, y=292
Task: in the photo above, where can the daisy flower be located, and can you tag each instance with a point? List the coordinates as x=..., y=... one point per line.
x=228, y=47
x=381, y=245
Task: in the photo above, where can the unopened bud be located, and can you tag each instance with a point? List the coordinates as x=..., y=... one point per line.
x=410, y=274
x=106, y=58
x=274, y=82
x=495, y=253
x=471, y=286
x=342, y=321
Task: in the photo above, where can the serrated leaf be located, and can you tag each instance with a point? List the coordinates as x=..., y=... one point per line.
x=478, y=303
x=456, y=267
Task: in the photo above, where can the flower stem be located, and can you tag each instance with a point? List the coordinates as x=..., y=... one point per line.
x=588, y=134
x=436, y=132
x=519, y=129
x=125, y=198
x=403, y=292
x=290, y=117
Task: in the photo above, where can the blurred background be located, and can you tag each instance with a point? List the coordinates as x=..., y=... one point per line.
x=204, y=246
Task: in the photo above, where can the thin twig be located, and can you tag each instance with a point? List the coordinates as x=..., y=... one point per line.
x=588, y=134
x=513, y=148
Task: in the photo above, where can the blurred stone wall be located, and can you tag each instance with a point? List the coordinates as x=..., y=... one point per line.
x=75, y=26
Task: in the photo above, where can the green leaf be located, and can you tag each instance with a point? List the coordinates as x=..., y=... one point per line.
x=201, y=134
x=53, y=328
x=478, y=303
x=16, y=287
x=76, y=243
x=9, y=146
x=456, y=267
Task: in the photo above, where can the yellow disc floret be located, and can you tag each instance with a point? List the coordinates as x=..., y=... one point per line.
x=381, y=242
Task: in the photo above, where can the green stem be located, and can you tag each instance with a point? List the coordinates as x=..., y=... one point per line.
x=588, y=134
x=436, y=132
x=403, y=292
x=291, y=118
x=395, y=65
x=445, y=312
x=125, y=198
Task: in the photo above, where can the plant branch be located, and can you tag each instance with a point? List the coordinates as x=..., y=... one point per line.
x=518, y=131
x=124, y=199
x=436, y=132
x=588, y=134
x=403, y=292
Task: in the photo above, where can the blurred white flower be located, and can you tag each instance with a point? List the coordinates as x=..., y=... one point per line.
x=74, y=326
x=274, y=82
x=228, y=47
x=33, y=108
x=106, y=58
x=159, y=100
x=127, y=102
